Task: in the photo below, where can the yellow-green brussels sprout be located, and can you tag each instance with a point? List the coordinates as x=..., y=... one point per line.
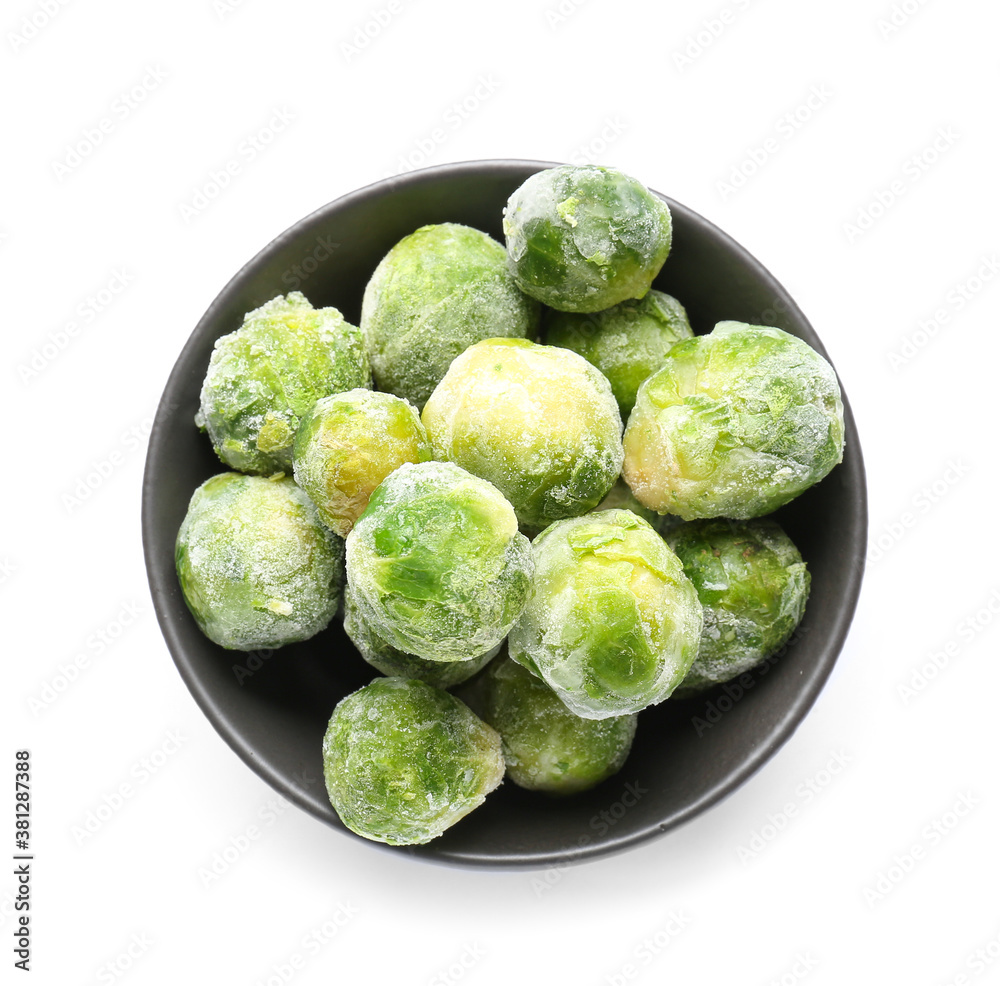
x=620, y=497
x=538, y=422
x=753, y=585
x=583, y=238
x=547, y=747
x=735, y=424
x=396, y=663
x=347, y=444
x=266, y=375
x=436, y=563
x=434, y=294
x=613, y=623
x=255, y=563
x=403, y=761
x=626, y=343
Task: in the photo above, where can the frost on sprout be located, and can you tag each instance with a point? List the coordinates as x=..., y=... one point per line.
x=403, y=761
x=620, y=497
x=347, y=444
x=612, y=624
x=546, y=747
x=436, y=292
x=538, y=422
x=264, y=376
x=753, y=585
x=627, y=342
x=391, y=661
x=256, y=566
x=436, y=563
x=735, y=424
x=584, y=238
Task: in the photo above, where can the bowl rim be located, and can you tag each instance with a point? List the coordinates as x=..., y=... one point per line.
x=162, y=584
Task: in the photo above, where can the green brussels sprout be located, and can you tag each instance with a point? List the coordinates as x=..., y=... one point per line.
x=613, y=623
x=436, y=563
x=620, y=497
x=255, y=563
x=538, y=422
x=547, y=747
x=735, y=424
x=753, y=585
x=347, y=444
x=626, y=343
x=403, y=761
x=396, y=663
x=433, y=295
x=268, y=373
x=584, y=238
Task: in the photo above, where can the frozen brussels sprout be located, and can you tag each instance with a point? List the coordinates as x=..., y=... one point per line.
x=436, y=563
x=266, y=375
x=538, y=422
x=626, y=343
x=613, y=623
x=620, y=497
x=735, y=424
x=434, y=294
x=753, y=585
x=403, y=761
x=347, y=444
x=255, y=563
x=396, y=663
x=547, y=747
x=584, y=238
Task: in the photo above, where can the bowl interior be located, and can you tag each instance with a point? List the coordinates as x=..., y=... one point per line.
x=272, y=707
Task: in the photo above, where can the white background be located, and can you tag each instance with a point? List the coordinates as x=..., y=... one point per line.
x=887, y=872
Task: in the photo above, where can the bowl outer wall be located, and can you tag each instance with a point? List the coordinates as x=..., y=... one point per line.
x=272, y=707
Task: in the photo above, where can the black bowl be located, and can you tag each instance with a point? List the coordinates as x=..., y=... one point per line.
x=272, y=707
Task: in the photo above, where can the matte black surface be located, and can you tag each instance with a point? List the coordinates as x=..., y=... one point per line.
x=272, y=709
